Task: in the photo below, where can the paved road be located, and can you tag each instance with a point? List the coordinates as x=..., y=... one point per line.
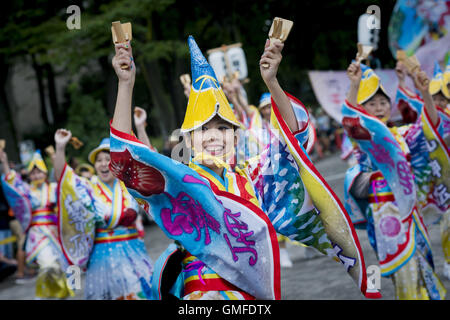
x=313, y=276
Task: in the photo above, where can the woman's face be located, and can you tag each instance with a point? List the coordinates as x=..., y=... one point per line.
x=265, y=112
x=37, y=176
x=379, y=106
x=215, y=138
x=440, y=100
x=101, y=166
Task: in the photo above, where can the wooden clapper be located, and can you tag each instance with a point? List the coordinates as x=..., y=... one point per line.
x=2, y=144
x=74, y=141
x=411, y=63
x=77, y=144
x=279, y=31
x=50, y=150
x=121, y=33
x=363, y=52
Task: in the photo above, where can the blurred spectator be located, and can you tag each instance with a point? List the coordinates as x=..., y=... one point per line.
x=85, y=170
x=324, y=130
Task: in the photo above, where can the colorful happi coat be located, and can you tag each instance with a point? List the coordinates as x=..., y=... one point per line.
x=227, y=225
x=35, y=209
x=403, y=186
x=252, y=136
x=97, y=227
x=439, y=143
x=254, y=139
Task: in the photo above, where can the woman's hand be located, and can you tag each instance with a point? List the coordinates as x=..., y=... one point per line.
x=421, y=81
x=272, y=57
x=354, y=73
x=122, y=119
x=124, y=56
x=140, y=117
x=62, y=138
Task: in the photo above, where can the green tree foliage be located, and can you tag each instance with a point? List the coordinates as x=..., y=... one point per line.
x=83, y=125
x=324, y=37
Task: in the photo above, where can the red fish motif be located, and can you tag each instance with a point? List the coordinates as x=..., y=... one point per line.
x=128, y=217
x=354, y=129
x=409, y=115
x=136, y=175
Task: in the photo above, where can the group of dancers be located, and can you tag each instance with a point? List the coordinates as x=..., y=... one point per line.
x=249, y=182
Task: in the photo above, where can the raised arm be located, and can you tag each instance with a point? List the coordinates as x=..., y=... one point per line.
x=354, y=74
x=140, y=121
x=237, y=86
x=230, y=93
x=272, y=56
x=62, y=138
x=122, y=113
x=4, y=162
x=400, y=71
x=422, y=82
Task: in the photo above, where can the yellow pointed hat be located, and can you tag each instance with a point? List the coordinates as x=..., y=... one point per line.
x=437, y=84
x=369, y=85
x=207, y=98
x=38, y=162
x=447, y=73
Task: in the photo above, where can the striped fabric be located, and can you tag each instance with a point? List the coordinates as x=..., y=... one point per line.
x=42, y=217
x=114, y=235
x=199, y=281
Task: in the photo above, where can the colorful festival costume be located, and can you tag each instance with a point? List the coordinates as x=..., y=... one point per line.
x=35, y=208
x=411, y=106
x=257, y=131
x=226, y=226
x=258, y=137
x=97, y=226
x=389, y=190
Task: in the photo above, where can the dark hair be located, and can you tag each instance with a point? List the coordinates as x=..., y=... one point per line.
x=379, y=91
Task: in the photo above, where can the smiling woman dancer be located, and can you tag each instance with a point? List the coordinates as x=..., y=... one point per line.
x=224, y=218
x=97, y=225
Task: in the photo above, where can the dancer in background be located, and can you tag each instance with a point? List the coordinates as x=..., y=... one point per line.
x=34, y=205
x=97, y=225
x=435, y=208
x=385, y=190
